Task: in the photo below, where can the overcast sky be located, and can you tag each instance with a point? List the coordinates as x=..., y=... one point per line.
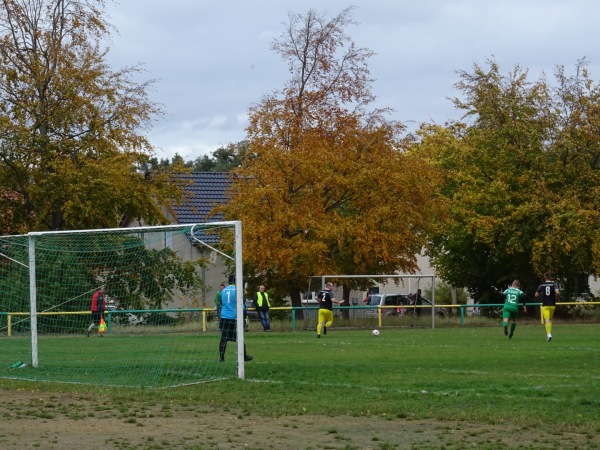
x=212, y=58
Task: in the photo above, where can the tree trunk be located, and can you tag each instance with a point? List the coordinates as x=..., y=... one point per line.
x=296, y=301
x=346, y=297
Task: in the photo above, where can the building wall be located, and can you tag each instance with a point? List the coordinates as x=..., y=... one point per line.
x=212, y=275
x=595, y=285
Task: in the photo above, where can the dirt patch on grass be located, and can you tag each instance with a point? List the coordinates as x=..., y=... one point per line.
x=68, y=421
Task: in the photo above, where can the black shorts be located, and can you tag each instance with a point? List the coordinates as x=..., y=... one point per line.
x=228, y=329
x=96, y=317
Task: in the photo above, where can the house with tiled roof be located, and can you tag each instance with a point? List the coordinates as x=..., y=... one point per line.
x=203, y=192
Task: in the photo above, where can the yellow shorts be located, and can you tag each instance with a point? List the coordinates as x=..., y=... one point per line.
x=326, y=316
x=548, y=312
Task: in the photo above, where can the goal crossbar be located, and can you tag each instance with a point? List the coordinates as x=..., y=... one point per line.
x=324, y=279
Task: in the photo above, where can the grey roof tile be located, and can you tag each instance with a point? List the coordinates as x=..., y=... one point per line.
x=206, y=191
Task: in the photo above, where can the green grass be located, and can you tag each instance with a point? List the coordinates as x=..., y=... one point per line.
x=150, y=360
x=459, y=373
x=470, y=374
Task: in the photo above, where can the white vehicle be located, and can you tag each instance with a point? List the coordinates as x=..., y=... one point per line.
x=397, y=300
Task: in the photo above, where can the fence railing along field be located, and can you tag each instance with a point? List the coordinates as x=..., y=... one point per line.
x=296, y=318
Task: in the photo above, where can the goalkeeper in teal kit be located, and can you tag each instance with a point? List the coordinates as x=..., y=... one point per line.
x=228, y=320
x=512, y=295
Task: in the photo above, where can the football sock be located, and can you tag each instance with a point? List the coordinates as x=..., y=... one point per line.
x=222, y=347
x=512, y=329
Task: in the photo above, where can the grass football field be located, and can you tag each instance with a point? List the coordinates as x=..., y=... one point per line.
x=467, y=375
x=464, y=373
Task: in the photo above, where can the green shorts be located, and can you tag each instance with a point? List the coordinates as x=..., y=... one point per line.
x=510, y=313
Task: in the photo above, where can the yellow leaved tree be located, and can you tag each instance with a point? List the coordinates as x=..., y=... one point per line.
x=71, y=129
x=326, y=186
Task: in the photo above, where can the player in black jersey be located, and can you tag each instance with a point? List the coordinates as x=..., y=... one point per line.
x=549, y=292
x=326, y=301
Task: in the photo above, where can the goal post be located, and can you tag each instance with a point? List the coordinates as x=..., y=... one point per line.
x=159, y=284
x=360, y=286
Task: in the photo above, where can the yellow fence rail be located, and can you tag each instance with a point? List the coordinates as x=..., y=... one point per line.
x=205, y=313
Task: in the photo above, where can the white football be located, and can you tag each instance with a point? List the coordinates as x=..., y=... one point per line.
x=375, y=333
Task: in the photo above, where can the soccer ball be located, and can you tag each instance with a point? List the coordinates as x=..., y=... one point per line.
x=375, y=333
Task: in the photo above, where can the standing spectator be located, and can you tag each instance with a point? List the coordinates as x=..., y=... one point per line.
x=262, y=305
x=218, y=300
x=418, y=301
x=512, y=295
x=326, y=301
x=549, y=292
x=97, y=310
x=228, y=320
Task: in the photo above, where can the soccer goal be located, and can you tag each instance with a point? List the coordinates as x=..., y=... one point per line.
x=378, y=297
x=159, y=327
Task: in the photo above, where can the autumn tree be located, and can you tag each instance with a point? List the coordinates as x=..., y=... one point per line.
x=520, y=179
x=71, y=129
x=570, y=244
x=325, y=187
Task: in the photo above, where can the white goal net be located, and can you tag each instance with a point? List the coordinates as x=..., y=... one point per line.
x=159, y=324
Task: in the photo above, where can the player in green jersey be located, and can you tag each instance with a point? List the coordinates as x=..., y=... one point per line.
x=512, y=295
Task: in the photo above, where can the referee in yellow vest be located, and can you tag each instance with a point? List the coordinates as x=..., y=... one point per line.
x=262, y=305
